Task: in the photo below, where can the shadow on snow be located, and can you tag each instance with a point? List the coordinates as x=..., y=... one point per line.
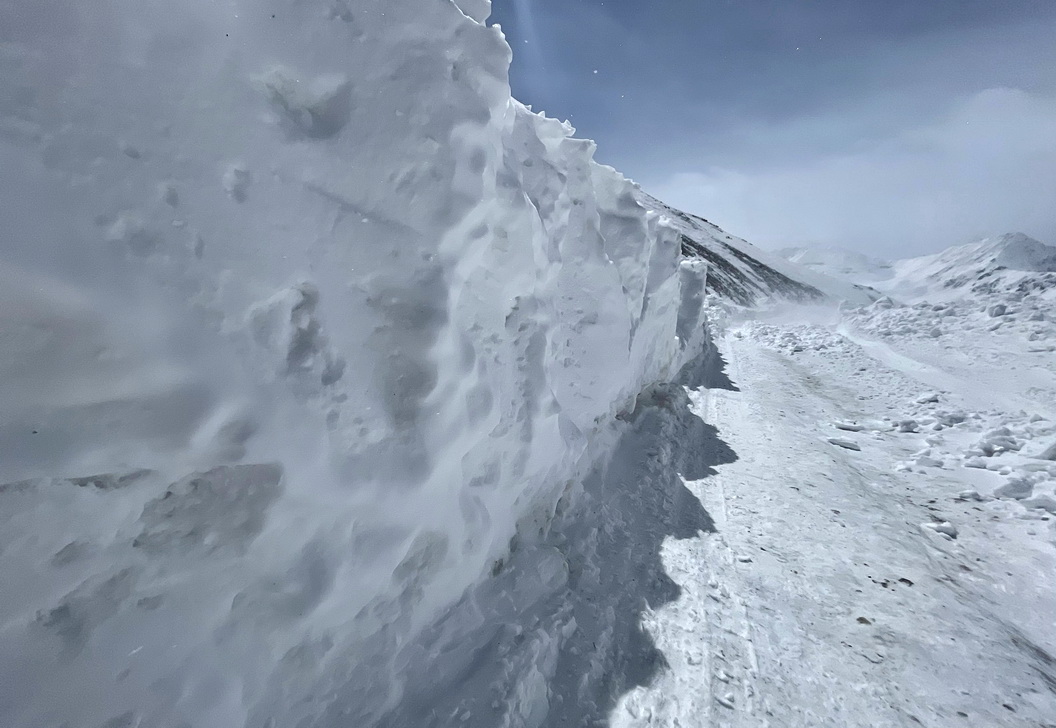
x=554, y=638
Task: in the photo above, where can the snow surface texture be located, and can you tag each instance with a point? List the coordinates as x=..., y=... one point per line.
x=311, y=335
x=884, y=539
x=999, y=294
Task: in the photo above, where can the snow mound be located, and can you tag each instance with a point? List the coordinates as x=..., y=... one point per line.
x=308, y=328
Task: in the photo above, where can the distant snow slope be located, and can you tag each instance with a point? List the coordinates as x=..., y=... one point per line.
x=839, y=263
x=1008, y=261
x=309, y=335
x=743, y=274
x=1002, y=264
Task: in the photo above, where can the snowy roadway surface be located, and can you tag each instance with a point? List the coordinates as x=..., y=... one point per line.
x=864, y=576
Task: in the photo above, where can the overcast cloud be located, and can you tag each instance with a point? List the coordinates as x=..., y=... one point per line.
x=893, y=128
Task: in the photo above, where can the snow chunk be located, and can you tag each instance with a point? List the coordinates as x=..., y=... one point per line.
x=1043, y=502
x=944, y=527
x=846, y=444
x=1015, y=488
x=1048, y=453
x=997, y=441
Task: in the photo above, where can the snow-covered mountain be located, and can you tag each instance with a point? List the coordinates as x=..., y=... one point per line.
x=1002, y=264
x=839, y=263
x=743, y=274
x=995, y=265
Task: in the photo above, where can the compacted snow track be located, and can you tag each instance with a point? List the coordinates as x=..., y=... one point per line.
x=842, y=587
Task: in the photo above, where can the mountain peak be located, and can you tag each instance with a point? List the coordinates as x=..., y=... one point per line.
x=1018, y=251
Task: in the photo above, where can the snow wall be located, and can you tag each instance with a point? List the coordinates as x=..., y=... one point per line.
x=306, y=328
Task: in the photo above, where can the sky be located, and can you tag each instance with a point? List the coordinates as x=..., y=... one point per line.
x=890, y=127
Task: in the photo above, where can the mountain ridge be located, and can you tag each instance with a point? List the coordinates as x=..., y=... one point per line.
x=1009, y=262
x=746, y=275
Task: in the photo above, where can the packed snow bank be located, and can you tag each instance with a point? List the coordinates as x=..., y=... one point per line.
x=305, y=322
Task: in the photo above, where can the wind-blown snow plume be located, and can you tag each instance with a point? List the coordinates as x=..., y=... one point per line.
x=305, y=322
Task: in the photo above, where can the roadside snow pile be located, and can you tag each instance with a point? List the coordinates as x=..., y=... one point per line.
x=1028, y=316
x=796, y=338
x=307, y=326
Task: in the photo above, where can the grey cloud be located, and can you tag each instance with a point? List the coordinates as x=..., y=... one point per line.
x=989, y=166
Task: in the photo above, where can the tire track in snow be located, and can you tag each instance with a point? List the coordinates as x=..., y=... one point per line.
x=734, y=665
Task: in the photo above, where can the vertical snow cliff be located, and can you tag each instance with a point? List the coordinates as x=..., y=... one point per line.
x=305, y=325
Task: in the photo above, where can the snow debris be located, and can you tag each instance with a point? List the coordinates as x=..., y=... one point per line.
x=944, y=527
x=1048, y=453
x=924, y=459
x=993, y=442
x=846, y=444
x=1016, y=488
x=1043, y=502
x=726, y=701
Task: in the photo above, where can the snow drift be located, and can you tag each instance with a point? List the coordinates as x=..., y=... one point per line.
x=307, y=327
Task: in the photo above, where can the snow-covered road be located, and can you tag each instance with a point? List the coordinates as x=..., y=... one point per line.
x=823, y=598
